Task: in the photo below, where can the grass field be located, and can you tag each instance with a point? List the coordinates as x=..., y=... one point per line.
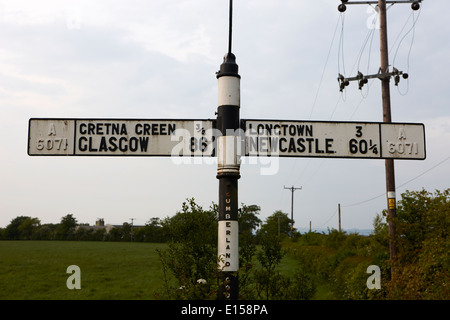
x=36, y=270
x=109, y=270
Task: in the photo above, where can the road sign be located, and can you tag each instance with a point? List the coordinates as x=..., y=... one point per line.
x=276, y=138
x=326, y=139
x=120, y=137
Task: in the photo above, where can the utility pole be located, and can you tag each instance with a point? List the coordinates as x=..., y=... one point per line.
x=292, y=206
x=389, y=163
x=385, y=76
x=131, y=229
x=339, y=215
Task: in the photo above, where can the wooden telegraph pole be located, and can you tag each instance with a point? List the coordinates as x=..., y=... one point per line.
x=389, y=163
x=385, y=76
x=292, y=189
x=339, y=216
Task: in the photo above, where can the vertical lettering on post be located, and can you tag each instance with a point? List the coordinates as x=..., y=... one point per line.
x=228, y=231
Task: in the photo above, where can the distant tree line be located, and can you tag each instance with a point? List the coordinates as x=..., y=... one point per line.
x=155, y=230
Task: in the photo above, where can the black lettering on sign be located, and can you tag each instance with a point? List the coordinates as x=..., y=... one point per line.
x=112, y=144
x=91, y=149
x=82, y=144
x=100, y=128
x=83, y=128
x=113, y=147
x=282, y=147
x=91, y=128
x=270, y=129
x=115, y=128
x=103, y=146
x=358, y=131
x=291, y=145
x=328, y=145
x=301, y=147
x=154, y=129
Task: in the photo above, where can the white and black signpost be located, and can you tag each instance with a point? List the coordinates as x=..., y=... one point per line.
x=229, y=138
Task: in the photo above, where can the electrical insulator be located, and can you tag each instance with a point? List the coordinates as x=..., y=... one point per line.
x=342, y=8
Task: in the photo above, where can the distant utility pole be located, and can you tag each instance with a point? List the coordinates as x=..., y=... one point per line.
x=131, y=229
x=385, y=76
x=339, y=215
x=292, y=206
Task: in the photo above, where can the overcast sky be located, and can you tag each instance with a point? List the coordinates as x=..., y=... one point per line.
x=157, y=59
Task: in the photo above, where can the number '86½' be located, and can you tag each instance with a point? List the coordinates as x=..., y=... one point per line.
x=198, y=144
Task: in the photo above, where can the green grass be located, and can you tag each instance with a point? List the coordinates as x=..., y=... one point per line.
x=109, y=270
x=36, y=270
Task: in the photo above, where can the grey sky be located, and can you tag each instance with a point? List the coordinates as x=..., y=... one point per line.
x=157, y=59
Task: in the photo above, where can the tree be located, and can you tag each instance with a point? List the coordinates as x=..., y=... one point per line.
x=66, y=228
x=151, y=232
x=248, y=220
x=421, y=216
x=276, y=224
x=191, y=258
x=28, y=227
x=21, y=228
x=192, y=224
x=269, y=257
x=45, y=232
x=423, y=261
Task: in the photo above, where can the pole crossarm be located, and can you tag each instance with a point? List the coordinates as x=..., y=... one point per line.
x=343, y=81
x=376, y=2
x=415, y=4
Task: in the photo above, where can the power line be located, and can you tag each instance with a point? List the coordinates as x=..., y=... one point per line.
x=324, y=68
x=401, y=185
x=426, y=171
x=381, y=195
